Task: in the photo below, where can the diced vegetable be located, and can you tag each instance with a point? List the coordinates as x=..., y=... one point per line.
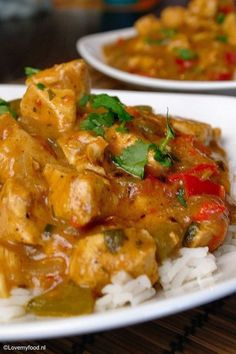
x=65, y=300
x=209, y=209
x=195, y=186
x=114, y=239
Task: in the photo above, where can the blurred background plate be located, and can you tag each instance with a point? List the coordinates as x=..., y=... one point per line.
x=91, y=49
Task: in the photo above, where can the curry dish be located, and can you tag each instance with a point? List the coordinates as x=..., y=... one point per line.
x=89, y=187
x=193, y=43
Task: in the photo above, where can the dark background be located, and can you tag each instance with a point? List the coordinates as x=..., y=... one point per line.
x=50, y=38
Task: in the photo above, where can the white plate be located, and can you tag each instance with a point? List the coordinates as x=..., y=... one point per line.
x=216, y=110
x=90, y=48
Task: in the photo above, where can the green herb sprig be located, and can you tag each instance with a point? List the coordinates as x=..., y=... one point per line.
x=96, y=122
x=180, y=196
x=29, y=71
x=186, y=54
x=6, y=108
x=134, y=158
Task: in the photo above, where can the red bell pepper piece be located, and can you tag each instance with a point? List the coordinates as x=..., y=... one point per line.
x=230, y=57
x=198, y=170
x=195, y=186
x=221, y=76
x=184, y=64
x=227, y=9
x=208, y=209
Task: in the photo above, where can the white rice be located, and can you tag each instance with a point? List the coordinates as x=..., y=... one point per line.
x=191, y=269
x=125, y=290
x=13, y=307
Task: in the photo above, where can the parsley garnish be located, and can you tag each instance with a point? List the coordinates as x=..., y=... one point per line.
x=220, y=18
x=169, y=32
x=170, y=134
x=180, y=196
x=115, y=110
x=222, y=38
x=134, y=158
x=113, y=104
x=161, y=154
x=96, y=122
x=30, y=71
x=6, y=108
x=186, y=54
x=40, y=86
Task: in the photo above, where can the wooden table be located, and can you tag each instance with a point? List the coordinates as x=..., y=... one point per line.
x=42, y=42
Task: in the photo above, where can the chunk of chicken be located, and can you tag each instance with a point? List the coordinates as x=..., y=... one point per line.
x=78, y=198
x=10, y=266
x=97, y=257
x=73, y=75
x=201, y=131
x=204, y=8
x=84, y=151
x=16, y=219
x=147, y=24
x=21, y=154
x=173, y=16
x=49, y=112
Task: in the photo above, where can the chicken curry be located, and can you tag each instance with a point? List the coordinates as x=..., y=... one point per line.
x=90, y=186
x=196, y=43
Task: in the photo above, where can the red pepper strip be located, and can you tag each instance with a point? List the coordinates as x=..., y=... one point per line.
x=230, y=58
x=184, y=64
x=221, y=76
x=198, y=170
x=195, y=186
x=208, y=209
x=227, y=9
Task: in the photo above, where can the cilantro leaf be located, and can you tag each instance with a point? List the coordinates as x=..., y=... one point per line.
x=113, y=104
x=40, y=86
x=180, y=196
x=170, y=134
x=164, y=158
x=186, y=54
x=96, y=122
x=161, y=154
x=169, y=32
x=134, y=158
x=220, y=18
x=6, y=108
x=222, y=38
x=122, y=128
x=29, y=71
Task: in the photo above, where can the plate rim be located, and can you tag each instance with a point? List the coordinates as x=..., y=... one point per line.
x=91, y=41
x=53, y=328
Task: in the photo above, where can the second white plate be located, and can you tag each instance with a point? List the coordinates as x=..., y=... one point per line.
x=91, y=49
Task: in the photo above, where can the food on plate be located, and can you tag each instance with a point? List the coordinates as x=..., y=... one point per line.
x=196, y=43
x=95, y=196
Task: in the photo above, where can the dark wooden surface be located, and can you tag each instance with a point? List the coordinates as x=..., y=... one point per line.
x=48, y=39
